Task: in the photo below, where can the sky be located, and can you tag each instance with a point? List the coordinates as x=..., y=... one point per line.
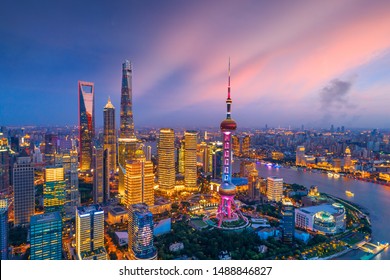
x=293, y=63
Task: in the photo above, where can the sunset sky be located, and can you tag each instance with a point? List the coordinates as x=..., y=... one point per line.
x=314, y=63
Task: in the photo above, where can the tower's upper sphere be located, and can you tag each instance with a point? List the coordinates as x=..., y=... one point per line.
x=228, y=125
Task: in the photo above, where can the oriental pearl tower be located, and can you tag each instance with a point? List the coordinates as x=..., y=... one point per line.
x=227, y=210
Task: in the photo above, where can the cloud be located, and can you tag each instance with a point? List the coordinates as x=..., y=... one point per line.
x=335, y=94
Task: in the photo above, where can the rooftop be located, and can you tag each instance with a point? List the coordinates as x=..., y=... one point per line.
x=330, y=208
x=45, y=218
x=88, y=209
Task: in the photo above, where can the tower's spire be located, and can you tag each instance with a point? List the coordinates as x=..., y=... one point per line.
x=228, y=100
x=229, y=80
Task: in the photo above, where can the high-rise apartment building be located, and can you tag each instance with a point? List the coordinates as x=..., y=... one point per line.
x=24, y=190
x=166, y=160
x=288, y=213
x=110, y=134
x=140, y=231
x=127, y=141
x=3, y=229
x=54, y=190
x=86, y=123
x=90, y=233
x=190, y=160
x=46, y=236
x=139, y=181
x=274, y=188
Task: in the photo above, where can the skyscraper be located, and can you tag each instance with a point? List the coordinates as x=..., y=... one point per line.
x=181, y=157
x=3, y=229
x=190, y=160
x=217, y=155
x=86, y=123
x=288, y=214
x=72, y=195
x=46, y=236
x=205, y=156
x=139, y=181
x=110, y=134
x=50, y=148
x=253, y=180
x=90, y=233
x=246, y=142
x=127, y=142
x=236, y=145
x=4, y=165
x=54, y=190
x=166, y=160
x=227, y=190
x=100, y=165
x=140, y=231
x=274, y=188
x=24, y=191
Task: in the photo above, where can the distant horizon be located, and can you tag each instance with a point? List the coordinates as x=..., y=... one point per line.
x=298, y=128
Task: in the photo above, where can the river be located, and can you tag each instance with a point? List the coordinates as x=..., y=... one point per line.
x=374, y=197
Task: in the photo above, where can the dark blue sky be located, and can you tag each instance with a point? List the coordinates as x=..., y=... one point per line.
x=302, y=63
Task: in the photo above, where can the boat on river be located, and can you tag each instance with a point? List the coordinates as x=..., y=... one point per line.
x=349, y=193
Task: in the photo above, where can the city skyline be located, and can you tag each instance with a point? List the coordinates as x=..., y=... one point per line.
x=309, y=63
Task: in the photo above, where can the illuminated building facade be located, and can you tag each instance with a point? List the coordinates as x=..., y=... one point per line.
x=288, y=214
x=181, y=156
x=325, y=218
x=246, y=142
x=274, y=189
x=3, y=229
x=347, y=159
x=4, y=165
x=139, y=181
x=86, y=123
x=90, y=233
x=205, y=157
x=190, y=161
x=110, y=134
x=253, y=182
x=166, y=160
x=236, y=145
x=300, y=156
x=46, y=236
x=72, y=194
x=24, y=190
x=127, y=142
x=54, y=190
x=227, y=209
x=140, y=231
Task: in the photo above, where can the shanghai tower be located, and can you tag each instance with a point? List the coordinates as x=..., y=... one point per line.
x=127, y=142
